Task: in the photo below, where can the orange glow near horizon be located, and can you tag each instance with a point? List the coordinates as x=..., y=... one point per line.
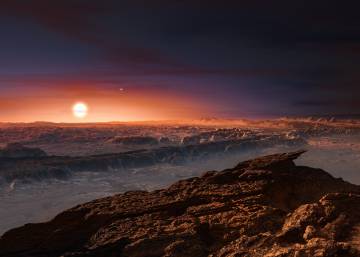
x=54, y=105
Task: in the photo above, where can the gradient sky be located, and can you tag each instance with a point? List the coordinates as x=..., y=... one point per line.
x=141, y=60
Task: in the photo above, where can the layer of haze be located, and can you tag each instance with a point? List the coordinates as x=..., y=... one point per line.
x=40, y=201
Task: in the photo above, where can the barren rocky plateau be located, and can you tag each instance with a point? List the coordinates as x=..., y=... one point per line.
x=268, y=206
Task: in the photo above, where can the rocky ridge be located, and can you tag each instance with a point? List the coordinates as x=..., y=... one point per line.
x=41, y=167
x=262, y=207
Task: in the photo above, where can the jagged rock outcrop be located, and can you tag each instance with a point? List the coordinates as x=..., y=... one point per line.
x=263, y=207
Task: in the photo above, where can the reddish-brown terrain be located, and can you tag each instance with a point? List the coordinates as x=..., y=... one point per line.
x=263, y=207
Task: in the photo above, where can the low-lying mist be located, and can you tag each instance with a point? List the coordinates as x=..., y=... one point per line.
x=39, y=201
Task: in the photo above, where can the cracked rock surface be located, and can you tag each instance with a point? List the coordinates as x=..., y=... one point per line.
x=263, y=207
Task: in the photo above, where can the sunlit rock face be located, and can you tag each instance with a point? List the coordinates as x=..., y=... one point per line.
x=262, y=207
x=16, y=150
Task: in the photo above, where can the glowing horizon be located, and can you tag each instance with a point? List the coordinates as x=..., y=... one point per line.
x=56, y=104
x=52, y=55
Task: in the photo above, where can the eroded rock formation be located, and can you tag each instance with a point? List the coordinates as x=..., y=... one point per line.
x=263, y=207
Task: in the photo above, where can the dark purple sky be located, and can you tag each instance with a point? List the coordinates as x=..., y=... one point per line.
x=225, y=58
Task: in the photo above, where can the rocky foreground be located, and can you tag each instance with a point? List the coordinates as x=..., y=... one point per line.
x=263, y=207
